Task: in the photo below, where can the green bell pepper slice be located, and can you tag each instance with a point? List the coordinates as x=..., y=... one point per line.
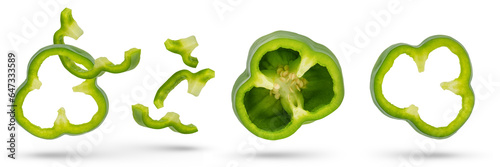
x=460, y=86
x=289, y=80
x=184, y=47
x=196, y=82
x=171, y=120
x=89, y=87
x=70, y=28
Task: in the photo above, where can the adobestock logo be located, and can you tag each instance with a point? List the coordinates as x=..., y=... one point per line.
x=221, y=7
x=76, y=154
x=39, y=20
x=484, y=89
x=363, y=35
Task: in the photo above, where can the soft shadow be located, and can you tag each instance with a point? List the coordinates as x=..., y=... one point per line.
x=172, y=148
x=281, y=154
x=179, y=148
x=121, y=151
x=43, y=155
x=286, y=155
x=429, y=155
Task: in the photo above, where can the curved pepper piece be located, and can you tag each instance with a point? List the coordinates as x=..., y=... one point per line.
x=171, y=120
x=196, y=82
x=460, y=86
x=89, y=87
x=289, y=80
x=184, y=47
x=70, y=28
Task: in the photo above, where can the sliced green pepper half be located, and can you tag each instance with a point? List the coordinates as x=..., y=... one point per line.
x=289, y=80
x=70, y=28
x=460, y=86
x=89, y=87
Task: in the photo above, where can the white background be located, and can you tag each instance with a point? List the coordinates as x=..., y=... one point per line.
x=356, y=134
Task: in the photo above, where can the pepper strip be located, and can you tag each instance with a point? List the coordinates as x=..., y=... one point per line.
x=70, y=28
x=171, y=120
x=196, y=82
x=184, y=47
x=460, y=86
x=89, y=87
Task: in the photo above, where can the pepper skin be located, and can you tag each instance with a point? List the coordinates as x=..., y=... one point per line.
x=89, y=87
x=70, y=28
x=460, y=86
x=196, y=82
x=70, y=56
x=171, y=120
x=184, y=47
x=289, y=80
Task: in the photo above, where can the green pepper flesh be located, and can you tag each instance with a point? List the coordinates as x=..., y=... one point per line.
x=89, y=87
x=290, y=80
x=196, y=82
x=460, y=86
x=184, y=47
x=70, y=28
